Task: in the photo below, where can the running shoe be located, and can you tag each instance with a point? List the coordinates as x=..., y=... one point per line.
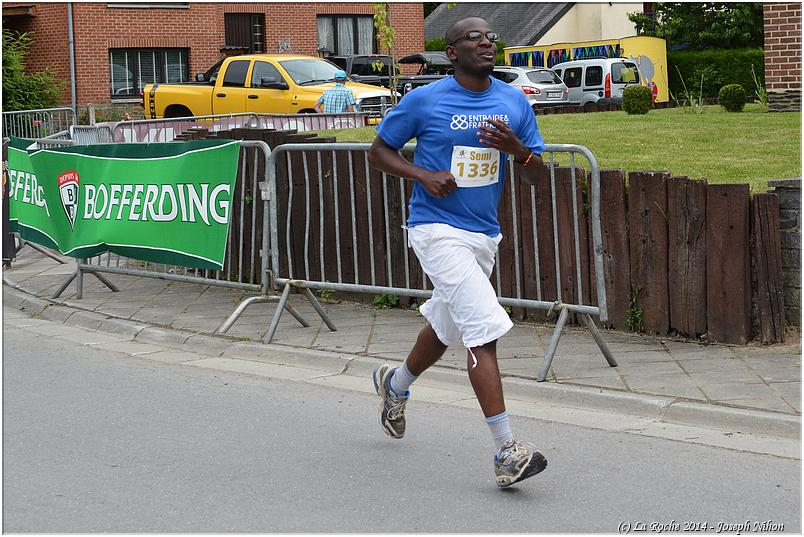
x=392, y=407
x=517, y=461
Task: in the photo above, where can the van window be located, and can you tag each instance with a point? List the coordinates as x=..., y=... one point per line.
x=624, y=73
x=505, y=76
x=594, y=75
x=558, y=72
x=572, y=77
x=235, y=75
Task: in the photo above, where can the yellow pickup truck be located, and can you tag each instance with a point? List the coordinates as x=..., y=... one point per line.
x=260, y=83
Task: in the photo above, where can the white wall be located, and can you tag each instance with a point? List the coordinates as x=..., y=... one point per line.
x=592, y=22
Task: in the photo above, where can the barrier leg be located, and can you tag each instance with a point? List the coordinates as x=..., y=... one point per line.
x=604, y=348
x=227, y=324
x=103, y=280
x=269, y=336
x=44, y=251
x=296, y=315
x=551, y=349
x=320, y=309
x=64, y=286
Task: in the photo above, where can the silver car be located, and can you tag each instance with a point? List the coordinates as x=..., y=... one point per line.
x=542, y=87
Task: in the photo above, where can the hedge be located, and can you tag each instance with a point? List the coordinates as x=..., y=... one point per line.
x=719, y=67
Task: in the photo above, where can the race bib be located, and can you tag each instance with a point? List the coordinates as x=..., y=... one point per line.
x=475, y=166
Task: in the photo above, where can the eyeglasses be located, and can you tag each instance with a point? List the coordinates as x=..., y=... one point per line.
x=476, y=35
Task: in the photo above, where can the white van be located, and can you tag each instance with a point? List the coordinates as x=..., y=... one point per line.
x=599, y=81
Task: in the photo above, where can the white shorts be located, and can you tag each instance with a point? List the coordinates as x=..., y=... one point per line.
x=464, y=307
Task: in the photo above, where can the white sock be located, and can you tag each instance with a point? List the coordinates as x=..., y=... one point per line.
x=500, y=429
x=401, y=380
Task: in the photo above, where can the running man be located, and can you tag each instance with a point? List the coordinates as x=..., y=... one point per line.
x=466, y=126
x=337, y=99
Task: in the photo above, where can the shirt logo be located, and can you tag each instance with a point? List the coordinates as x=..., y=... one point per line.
x=459, y=122
x=462, y=121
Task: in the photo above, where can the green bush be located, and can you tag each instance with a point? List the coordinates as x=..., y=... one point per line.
x=732, y=98
x=637, y=100
x=21, y=90
x=718, y=67
x=440, y=44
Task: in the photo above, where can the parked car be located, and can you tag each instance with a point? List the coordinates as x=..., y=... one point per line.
x=260, y=83
x=599, y=81
x=361, y=68
x=542, y=87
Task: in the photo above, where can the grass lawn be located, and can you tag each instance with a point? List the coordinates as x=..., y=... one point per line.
x=750, y=147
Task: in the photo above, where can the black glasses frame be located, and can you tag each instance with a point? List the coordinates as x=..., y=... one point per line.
x=491, y=36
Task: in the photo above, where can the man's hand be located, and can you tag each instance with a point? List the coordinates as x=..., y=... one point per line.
x=501, y=137
x=439, y=184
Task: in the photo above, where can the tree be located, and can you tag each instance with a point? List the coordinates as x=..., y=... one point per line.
x=21, y=90
x=429, y=7
x=386, y=36
x=706, y=25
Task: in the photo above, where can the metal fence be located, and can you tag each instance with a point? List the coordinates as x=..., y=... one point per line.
x=167, y=129
x=336, y=224
x=37, y=123
x=244, y=261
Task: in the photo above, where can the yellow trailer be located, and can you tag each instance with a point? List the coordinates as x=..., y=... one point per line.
x=649, y=53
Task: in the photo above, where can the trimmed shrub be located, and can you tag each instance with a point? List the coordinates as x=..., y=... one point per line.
x=718, y=67
x=732, y=98
x=637, y=100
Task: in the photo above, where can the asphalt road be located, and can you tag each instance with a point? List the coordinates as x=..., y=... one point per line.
x=96, y=441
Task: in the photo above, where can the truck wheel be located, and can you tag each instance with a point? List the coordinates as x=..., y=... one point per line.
x=177, y=110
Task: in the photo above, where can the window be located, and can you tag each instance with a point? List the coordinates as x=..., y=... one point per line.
x=505, y=76
x=262, y=70
x=543, y=77
x=365, y=66
x=624, y=73
x=308, y=72
x=558, y=72
x=346, y=34
x=131, y=69
x=245, y=31
x=235, y=75
x=572, y=77
x=594, y=75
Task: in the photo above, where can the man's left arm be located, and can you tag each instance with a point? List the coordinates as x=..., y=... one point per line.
x=503, y=138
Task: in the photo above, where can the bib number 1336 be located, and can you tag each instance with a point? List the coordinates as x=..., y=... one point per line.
x=475, y=166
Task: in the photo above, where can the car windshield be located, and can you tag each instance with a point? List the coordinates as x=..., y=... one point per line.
x=543, y=77
x=624, y=73
x=308, y=72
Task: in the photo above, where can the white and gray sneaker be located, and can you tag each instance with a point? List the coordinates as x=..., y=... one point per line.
x=516, y=461
x=392, y=407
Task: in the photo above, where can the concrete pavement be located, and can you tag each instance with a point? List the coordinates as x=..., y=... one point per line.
x=751, y=388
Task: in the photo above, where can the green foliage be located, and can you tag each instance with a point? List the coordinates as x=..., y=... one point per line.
x=385, y=302
x=704, y=25
x=637, y=100
x=21, y=90
x=429, y=7
x=732, y=98
x=717, y=67
x=326, y=294
x=387, y=36
x=689, y=101
x=633, y=316
x=761, y=92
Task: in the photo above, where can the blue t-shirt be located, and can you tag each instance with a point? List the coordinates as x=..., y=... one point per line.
x=442, y=115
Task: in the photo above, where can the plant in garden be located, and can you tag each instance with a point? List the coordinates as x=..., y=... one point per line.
x=690, y=101
x=384, y=302
x=732, y=98
x=637, y=100
x=21, y=90
x=761, y=91
x=326, y=294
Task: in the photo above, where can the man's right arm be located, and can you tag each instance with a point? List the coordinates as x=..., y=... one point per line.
x=386, y=159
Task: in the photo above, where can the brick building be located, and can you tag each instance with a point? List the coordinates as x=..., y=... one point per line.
x=783, y=55
x=120, y=47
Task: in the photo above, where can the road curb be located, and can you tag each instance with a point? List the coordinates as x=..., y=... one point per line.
x=661, y=409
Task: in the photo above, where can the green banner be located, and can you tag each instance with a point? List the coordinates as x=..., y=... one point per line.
x=166, y=203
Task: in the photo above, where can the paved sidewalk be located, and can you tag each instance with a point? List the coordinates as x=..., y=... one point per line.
x=765, y=378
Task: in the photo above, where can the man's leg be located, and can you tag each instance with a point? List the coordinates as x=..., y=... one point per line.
x=485, y=378
x=427, y=351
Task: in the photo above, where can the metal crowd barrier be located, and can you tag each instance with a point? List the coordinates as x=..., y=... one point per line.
x=91, y=134
x=37, y=123
x=166, y=129
x=245, y=258
x=329, y=232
